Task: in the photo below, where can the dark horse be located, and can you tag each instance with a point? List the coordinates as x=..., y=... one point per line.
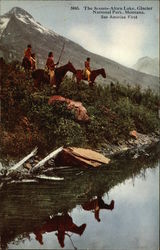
x=94, y=73
x=40, y=75
x=26, y=64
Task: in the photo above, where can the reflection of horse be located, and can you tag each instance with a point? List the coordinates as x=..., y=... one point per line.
x=59, y=223
x=94, y=73
x=40, y=75
x=96, y=205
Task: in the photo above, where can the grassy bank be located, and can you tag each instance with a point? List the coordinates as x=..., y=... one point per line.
x=27, y=120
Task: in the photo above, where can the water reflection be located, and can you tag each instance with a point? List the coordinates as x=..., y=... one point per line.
x=60, y=223
x=63, y=224
x=45, y=209
x=97, y=204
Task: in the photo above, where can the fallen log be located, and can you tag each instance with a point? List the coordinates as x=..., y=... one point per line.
x=50, y=178
x=21, y=162
x=47, y=158
x=71, y=156
x=1, y=166
x=23, y=181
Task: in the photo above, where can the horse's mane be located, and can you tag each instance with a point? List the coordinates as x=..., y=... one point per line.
x=62, y=67
x=98, y=70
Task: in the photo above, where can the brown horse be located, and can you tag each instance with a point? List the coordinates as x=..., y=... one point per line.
x=94, y=73
x=26, y=64
x=61, y=72
x=41, y=76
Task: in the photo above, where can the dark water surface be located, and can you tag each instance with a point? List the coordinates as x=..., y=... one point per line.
x=77, y=213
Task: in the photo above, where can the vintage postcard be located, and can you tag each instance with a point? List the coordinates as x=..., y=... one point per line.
x=80, y=124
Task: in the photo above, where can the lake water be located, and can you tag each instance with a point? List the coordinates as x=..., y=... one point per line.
x=72, y=214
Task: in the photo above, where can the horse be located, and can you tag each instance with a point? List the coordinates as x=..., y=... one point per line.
x=41, y=75
x=26, y=64
x=61, y=71
x=29, y=65
x=94, y=73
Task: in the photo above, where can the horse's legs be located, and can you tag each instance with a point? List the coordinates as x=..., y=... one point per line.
x=57, y=87
x=78, y=77
x=78, y=81
x=36, y=83
x=73, y=78
x=57, y=84
x=91, y=84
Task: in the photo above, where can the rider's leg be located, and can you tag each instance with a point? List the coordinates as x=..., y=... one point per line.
x=52, y=77
x=88, y=75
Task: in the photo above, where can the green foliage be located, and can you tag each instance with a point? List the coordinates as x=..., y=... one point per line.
x=145, y=120
x=68, y=133
x=114, y=111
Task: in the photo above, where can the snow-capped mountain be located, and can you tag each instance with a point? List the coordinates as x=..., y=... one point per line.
x=18, y=28
x=23, y=17
x=148, y=65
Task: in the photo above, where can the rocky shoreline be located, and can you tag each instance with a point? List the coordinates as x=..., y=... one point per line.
x=131, y=149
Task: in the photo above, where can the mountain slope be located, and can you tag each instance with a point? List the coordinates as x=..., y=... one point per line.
x=147, y=65
x=18, y=28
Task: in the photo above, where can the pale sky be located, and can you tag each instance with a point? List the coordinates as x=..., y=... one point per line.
x=122, y=40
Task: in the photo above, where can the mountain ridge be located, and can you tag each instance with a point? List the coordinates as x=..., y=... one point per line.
x=18, y=28
x=147, y=65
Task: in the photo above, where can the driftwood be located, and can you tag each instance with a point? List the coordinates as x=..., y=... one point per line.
x=50, y=178
x=1, y=166
x=23, y=181
x=47, y=158
x=62, y=157
x=21, y=162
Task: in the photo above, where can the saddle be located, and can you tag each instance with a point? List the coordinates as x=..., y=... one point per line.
x=47, y=70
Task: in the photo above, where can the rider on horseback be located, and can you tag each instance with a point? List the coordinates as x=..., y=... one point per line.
x=27, y=55
x=87, y=71
x=50, y=65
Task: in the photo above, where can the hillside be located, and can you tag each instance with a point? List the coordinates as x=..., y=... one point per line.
x=27, y=120
x=18, y=28
x=147, y=65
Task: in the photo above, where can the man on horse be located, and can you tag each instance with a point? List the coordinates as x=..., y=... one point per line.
x=50, y=65
x=87, y=70
x=27, y=60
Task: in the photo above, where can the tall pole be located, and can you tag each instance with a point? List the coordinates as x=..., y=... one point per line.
x=61, y=52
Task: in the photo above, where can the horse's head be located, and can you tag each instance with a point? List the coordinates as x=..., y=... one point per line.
x=103, y=73
x=71, y=67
